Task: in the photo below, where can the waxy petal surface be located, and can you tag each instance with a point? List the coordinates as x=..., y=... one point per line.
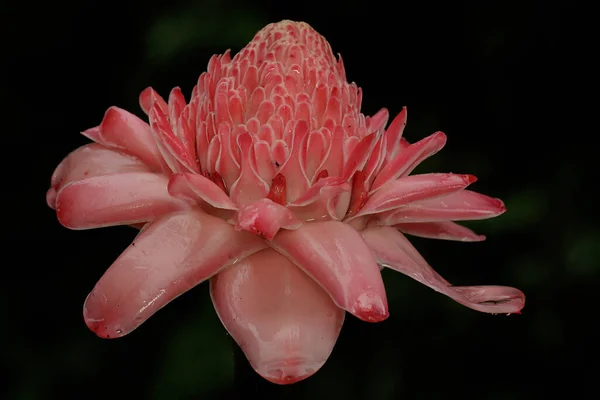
x=283, y=321
x=119, y=199
x=89, y=161
x=169, y=257
x=337, y=258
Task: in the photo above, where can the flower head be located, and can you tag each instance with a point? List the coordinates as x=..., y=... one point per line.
x=271, y=183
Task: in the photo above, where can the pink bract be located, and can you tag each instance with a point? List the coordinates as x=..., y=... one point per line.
x=271, y=183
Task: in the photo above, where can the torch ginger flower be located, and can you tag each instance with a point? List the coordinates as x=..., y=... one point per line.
x=271, y=183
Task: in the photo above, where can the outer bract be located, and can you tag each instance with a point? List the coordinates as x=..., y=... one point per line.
x=272, y=184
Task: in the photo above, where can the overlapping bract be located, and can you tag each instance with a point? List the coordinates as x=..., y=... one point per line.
x=271, y=183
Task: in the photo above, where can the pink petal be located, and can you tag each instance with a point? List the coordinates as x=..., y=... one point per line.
x=408, y=158
x=393, y=250
x=265, y=217
x=335, y=255
x=119, y=199
x=282, y=320
x=122, y=130
x=169, y=257
x=321, y=200
x=89, y=161
x=293, y=169
x=463, y=205
x=170, y=146
x=444, y=230
x=249, y=187
x=149, y=97
x=414, y=188
x=394, y=134
x=379, y=120
x=199, y=189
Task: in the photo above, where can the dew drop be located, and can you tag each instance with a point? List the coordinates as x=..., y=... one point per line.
x=119, y=331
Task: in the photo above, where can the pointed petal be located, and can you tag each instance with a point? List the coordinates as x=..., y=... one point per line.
x=265, y=217
x=394, y=134
x=444, y=230
x=149, y=97
x=283, y=321
x=199, y=189
x=379, y=120
x=335, y=256
x=408, y=158
x=414, y=188
x=89, y=161
x=122, y=130
x=169, y=257
x=119, y=199
x=393, y=250
x=459, y=206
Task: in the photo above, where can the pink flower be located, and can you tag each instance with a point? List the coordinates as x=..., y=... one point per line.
x=272, y=184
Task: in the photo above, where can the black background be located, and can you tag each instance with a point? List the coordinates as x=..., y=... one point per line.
x=510, y=84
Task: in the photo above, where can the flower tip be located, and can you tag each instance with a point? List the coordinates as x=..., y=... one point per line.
x=97, y=323
x=289, y=371
x=371, y=307
x=470, y=179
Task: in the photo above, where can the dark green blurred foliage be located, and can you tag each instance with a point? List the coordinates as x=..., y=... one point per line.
x=492, y=75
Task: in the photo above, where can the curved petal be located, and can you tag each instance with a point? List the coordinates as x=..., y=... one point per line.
x=89, y=161
x=335, y=255
x=414, y=188
x=443, y=230
x=393, y=250
x=119, y=199
x=169, y=257
x=123, y=130
x=283, y=321
x=463, y=205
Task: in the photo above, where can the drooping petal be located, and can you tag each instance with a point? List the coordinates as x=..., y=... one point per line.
x=282, y=320
x=89, y=161
x=444, y=230
x=118, y=199
x=414, y=188
x=462, y=205
x=169, y=257
x=393, y=250
x=122, y=130
x=265, y=217
x=335, y=255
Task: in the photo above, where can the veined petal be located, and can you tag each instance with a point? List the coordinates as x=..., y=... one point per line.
x=169, y=257
x=414, y=188
x=199, y=189
x=265, y=217
x=282, y=320
x=122, y=130
x=444, y=230
x=335, y=255
x=459, y=206
x=119, y=199
x=89, y=161
x=393, y=250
